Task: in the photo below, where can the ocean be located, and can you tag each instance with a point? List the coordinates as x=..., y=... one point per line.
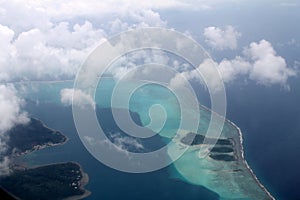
x=43, y=102
x=270, y=121
x=265, y=149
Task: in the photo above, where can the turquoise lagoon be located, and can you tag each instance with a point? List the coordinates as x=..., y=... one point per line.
x=189, y=177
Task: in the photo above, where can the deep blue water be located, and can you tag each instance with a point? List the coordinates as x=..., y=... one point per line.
x=270, y=122
x=106, y=183
x=268, y=117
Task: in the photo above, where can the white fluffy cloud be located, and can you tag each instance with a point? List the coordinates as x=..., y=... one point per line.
x=124, y=142
x=221, y=39
x=42, y=55
x=67, y=97
x=11, y=114
x=207, y=69
x=231, y=69
x=10, y=108
x=55, y=46
x=50, y=40
x=268, y=68
x=259, y=63
x=4, y=166
x=127, y=62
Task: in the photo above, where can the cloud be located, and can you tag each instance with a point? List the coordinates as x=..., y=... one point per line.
x=268, y=68
x=67, y=97
x=259, y=63
x=4, y=166
x=231, y=69
x=6, y=36
x=127, y=62
x=11, y=115
x=49, y=12
x=51, y=55
x=125, y=143
x=10, y=108
x=205, y=74
x=54, y=46
x=67, y=9
x=221, y=39
x=288, y=4
x=92, y=141
x=119, y=142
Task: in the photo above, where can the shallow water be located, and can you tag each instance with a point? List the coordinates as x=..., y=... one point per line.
x=183, y=179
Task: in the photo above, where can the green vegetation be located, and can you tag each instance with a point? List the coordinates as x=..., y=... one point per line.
x=196, y=139
x=221, y=151
x=222, y=157
x=26, y=137
x=53, y=182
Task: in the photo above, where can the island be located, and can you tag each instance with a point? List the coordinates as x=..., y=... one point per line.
x=223, y=149
x=216, y=163
x=25, y=138
x=54, y=181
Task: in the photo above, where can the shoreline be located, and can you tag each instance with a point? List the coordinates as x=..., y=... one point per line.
x=83, y=181
x=244, y=161
x=241, y=151
x=238, y=140
x=40, y=147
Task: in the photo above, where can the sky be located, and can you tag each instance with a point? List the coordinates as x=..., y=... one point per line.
x=254, y=42
x=49, y=40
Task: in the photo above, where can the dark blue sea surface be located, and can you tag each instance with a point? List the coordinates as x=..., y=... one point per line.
x=106, y=183
x=270, y=124
x=269, y=118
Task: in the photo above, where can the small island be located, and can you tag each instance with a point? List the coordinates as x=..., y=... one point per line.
x=222, y=149
x=217, y=163
x=32, y=136
x=54, y=181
